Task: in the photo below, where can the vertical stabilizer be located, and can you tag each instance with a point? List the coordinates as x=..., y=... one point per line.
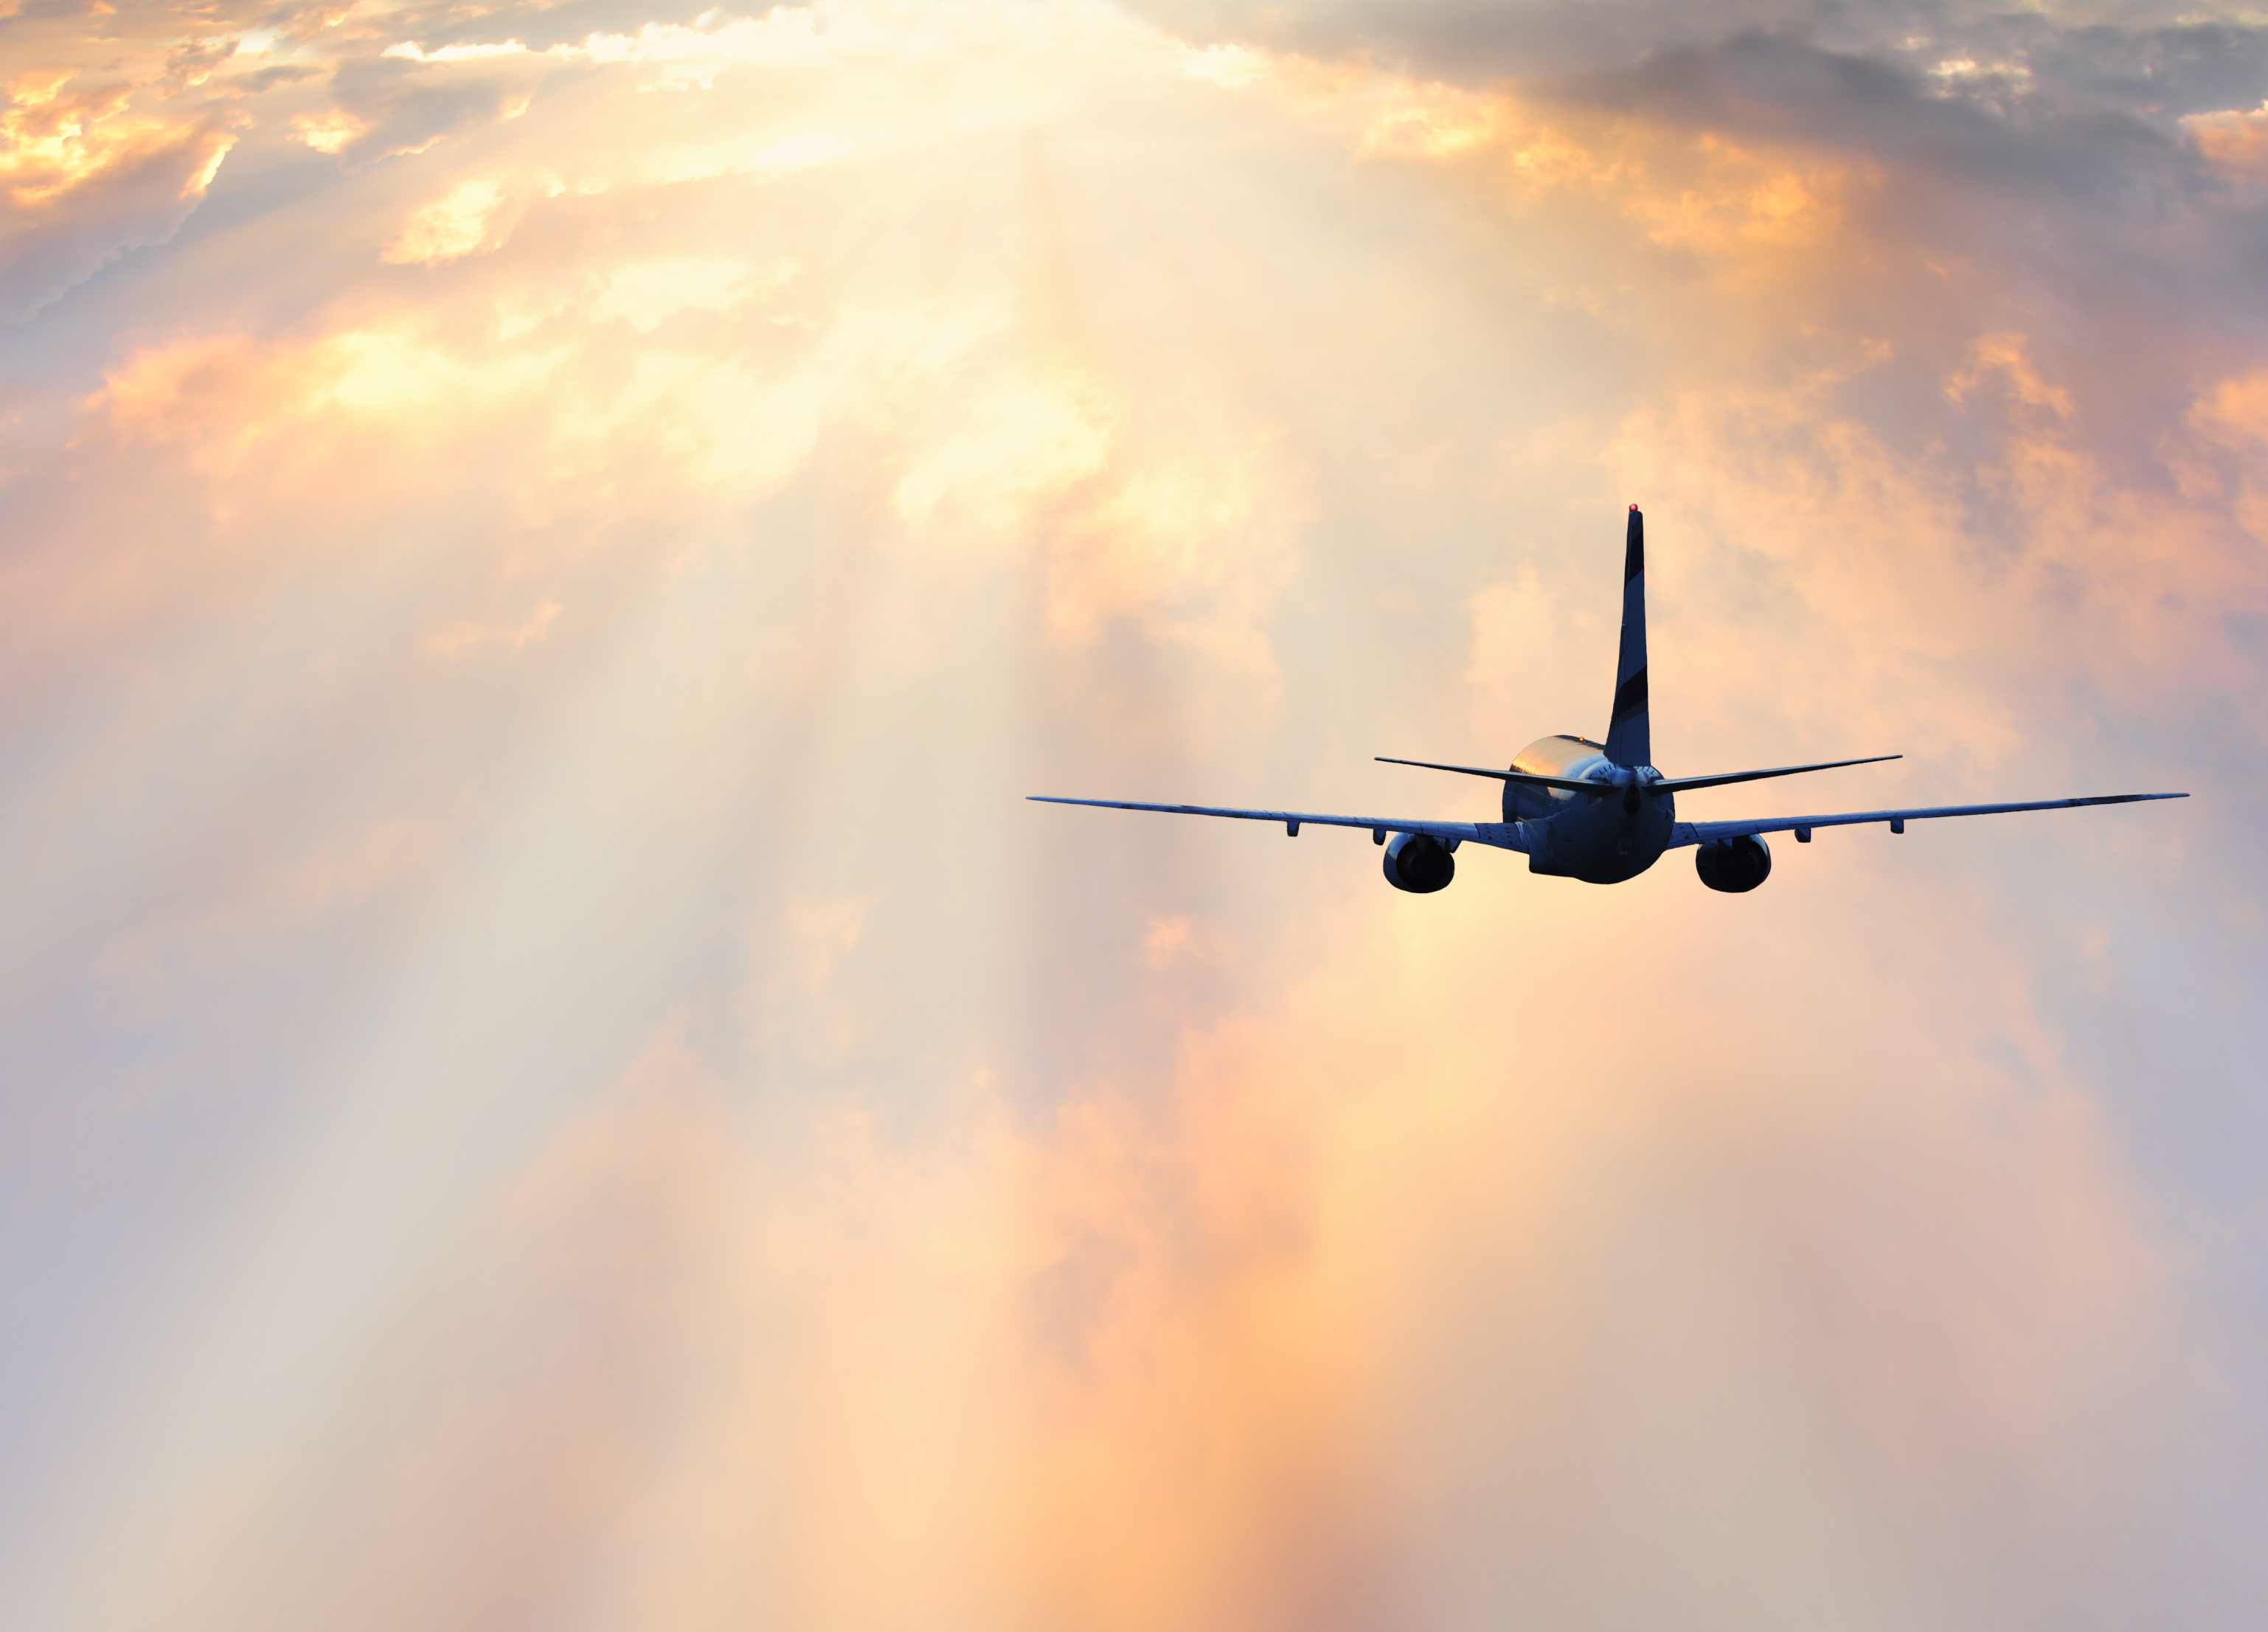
x=1629, y=741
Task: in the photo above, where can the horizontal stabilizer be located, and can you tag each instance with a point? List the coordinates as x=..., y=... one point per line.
x=1679, y=784
x=1569, y=782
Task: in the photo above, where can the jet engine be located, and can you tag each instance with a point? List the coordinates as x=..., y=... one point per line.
x=1418, y=863
x=1734, y=865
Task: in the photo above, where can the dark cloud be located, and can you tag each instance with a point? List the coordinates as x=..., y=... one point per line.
x=2162, y=65
x=2160, y=72
x=2016, y=98
x=1779, y=89
x=2050, y=158
x=2096, y=219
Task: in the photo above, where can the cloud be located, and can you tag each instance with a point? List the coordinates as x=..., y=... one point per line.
x=753, y=1354
x=466, y=637
x=89, y=179
x=115, y=127
x=1180, y=1351
x=449, y=227
x=395, y=105
x=2236, y=144
x=648, y=295
x=555, y=1079
x=1776, y=89
x=2090, y=131
x=2150, y=59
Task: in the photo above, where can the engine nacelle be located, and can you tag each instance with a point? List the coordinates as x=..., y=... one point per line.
x=1734, y=865
x=1418, y=863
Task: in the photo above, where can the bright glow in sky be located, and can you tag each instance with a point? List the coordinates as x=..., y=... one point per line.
x=549, y=1079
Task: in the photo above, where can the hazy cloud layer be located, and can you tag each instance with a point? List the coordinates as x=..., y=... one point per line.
x=548, y=1076
x=2155, y=60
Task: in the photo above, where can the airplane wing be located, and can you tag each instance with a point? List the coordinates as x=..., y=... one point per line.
x=1716, y=832
x=1502, y=835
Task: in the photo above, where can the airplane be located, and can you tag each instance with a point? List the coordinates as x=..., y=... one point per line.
x=1599, y=812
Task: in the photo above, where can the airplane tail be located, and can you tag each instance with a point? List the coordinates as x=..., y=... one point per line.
x=1630, y=741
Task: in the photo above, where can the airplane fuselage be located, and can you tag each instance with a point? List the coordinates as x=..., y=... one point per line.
x=1601, y=838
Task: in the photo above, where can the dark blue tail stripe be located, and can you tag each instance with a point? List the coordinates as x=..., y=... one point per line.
x=1630, y=697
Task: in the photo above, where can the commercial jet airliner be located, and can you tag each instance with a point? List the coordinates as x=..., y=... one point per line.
x=1598, y=811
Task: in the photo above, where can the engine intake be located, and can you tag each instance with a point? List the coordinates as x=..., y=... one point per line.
x=1734, y=865
x=1418, y=863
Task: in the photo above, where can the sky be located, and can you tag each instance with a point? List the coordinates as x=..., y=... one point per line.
x=549, y=1078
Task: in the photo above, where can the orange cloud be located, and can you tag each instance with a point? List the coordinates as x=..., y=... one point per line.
x=91, y=172
x=1185, y=1351
x=2236, y=144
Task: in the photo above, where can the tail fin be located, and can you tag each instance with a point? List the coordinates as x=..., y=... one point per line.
x=1629, y=739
